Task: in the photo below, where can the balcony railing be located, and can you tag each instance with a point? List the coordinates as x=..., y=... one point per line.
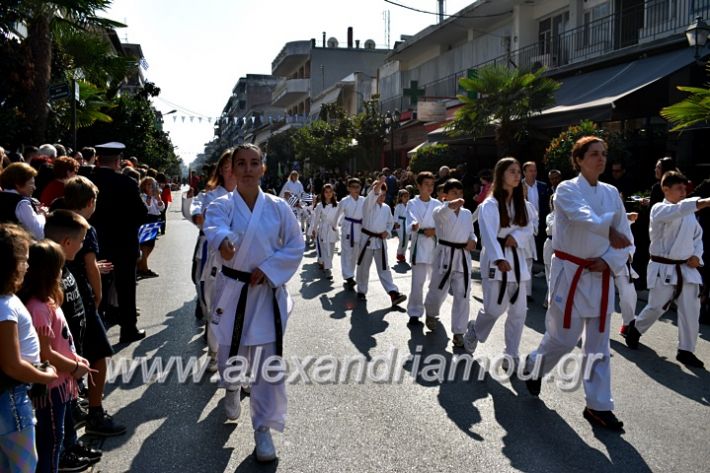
x=645, y=23
x=289, y=91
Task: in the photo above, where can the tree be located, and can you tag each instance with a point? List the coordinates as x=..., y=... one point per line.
x=370, y=134
x=692, y=110
x=327, y=144
x=504, y=99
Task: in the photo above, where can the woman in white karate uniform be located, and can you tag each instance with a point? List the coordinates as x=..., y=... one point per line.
x=324, y=228
x=261, y=244
x=506, y=227
x=590, y=241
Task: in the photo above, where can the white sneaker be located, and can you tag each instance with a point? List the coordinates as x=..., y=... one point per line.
x=265, y=450
x=470, y=341
x=232, y=404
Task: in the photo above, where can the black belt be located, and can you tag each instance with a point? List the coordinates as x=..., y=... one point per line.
x=370, y=236
x=241, y=312
x=679, y=276
x=464, y=263
x=516, y=271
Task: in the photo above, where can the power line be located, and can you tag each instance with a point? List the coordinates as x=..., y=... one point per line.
x=493, y=15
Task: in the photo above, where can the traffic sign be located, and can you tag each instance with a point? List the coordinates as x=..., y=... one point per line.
x=59, y=91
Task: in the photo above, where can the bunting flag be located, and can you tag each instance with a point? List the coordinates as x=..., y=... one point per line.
x=148, y=232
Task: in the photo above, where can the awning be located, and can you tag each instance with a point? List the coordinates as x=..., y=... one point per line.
x=592, y=95
x=329, y=97
x=413, y=151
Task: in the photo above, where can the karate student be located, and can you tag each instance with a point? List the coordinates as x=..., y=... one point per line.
x=676, y=254
x=624, y=281
x=400, y=223
x=547, y=250
x=452, y=262
x=506, y=226
x=590, y=240
x=420, y=223
x=376, y=225
x=324, y=228
x=350, y=221
x=261, y=245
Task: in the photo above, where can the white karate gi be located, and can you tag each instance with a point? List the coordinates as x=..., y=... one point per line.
x=376, y=218
x=492, y=277
x=324, y=222
x=267, y=238
x=403, y=232
x=452, y=228
x=625, y=285
x=350, y=221
x=421, y=251
x=547, y=249
x=677, y=235
x=583, y=216
x=295, y=188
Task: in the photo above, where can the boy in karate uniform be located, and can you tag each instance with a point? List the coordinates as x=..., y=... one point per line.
x=452, y=263
x=420, y=222
x=350, y=220
x=376, y=226
x=676, y=253
x=624, y=281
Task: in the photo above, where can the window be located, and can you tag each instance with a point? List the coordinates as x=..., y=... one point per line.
x=597, y=25
x=659, y=12
x=551, y=39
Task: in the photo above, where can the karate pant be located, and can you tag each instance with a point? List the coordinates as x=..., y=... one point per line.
x=348, y=258
x=210, y=296
x=363, y=272
x=491, y=311
x=627, y=298
x=547, y=279
x=558, y=341
x=461, y=305
x=688, y=312
x=528, y=283
x=327, y=250
x=420, y=273
x=268, y=400
x=401, y=247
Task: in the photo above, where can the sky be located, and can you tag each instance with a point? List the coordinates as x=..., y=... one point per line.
x=197, y=50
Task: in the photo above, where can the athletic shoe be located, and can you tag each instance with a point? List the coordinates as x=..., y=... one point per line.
x=79, y=412
x=688, y=358
x=81, y=450
x=349, y=283
x=414, y=321
x=632, y=336
x=329, y=274
x=265, y=451
x=397, y=298
x=69, y=461
x=603, y=419
x=431, y=322
x=102, y=424
x=470, y=341
x=505, y=364
x=232, y=404
x=401, y=258
x=361, y=296
x=623, y=330
x=534, y=386
x=212, y=366
x=458, y=340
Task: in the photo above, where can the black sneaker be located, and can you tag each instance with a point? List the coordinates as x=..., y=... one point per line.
x=688, y=358
x=79, y=413
x=361, y=296
x=72, y=462
x=603, y=419
x=534, y=386
x=414, y=321
x=350, y=283
x=81, y=450
x=632, y=336
x=397, y=298
x=102, y=424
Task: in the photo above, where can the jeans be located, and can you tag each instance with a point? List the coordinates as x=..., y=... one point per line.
x=50, y=432
x=17, y=431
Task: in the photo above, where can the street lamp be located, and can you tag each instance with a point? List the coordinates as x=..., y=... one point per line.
x=697, y=35
x=391, y=124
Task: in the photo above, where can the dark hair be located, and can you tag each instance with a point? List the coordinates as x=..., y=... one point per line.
x=63, y=224
x=78, y=192
x=667, y=164
x=61, y=150
x=500, y=194
x=581, y=147
x=333, y=200
x=424, y=175
x=217, y=179
x=672, y=178
x=42, y=280
x=64, y=165
x=400, y=194
x=88, y=152
x=354, y=181
x=14, y=243
x=528, y=163
x=452, y=184
x=15, y=175
x=132, y=173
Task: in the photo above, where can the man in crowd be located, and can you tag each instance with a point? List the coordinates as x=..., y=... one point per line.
x=538, y=195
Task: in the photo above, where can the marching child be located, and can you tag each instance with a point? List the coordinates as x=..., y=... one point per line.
x=376, y=225
x=506, y=226
x=324, y=228
x=676, y=253
x=452, y=262
x=400, y=223
x=155, y=205
x=420, y=221
x=350, y=220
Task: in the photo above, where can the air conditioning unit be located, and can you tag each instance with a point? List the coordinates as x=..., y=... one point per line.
x=332, y=42
x=370, y=44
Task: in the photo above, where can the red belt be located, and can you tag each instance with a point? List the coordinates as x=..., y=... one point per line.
x=582, y=265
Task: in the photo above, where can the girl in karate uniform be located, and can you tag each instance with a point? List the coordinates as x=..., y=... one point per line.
x=261, y=247
x=324, y=228
x=400, y=223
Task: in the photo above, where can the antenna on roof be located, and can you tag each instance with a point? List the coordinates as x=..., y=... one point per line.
x=386, y=18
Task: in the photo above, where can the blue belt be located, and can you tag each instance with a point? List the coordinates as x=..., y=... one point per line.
x=353, y=221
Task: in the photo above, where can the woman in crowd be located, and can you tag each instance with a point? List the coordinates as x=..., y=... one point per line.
x=64, y=169
x=16, y=202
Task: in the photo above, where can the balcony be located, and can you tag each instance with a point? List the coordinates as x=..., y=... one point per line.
x=290, y=58
x=290, y=91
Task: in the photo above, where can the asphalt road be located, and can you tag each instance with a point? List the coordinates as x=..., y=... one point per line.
x=418, y=424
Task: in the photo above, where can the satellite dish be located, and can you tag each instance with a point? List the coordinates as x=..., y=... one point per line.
x=370, y=44
x=332, y=43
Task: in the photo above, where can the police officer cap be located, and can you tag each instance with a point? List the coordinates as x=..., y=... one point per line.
x=113, y=148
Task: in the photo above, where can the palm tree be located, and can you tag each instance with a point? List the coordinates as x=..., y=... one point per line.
x=43, y=19
x=692, y=110
x=504, y=99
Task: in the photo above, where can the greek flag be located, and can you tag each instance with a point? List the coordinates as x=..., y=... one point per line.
x=143, y=63
x=148, y=232
x=293, y=200
x=307, y=198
